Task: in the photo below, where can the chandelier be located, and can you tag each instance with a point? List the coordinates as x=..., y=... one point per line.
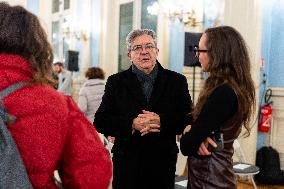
x=69, y=31
x=188, y=12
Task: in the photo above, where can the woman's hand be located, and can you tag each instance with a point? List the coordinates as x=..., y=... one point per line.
x=187, y=129
x=204, y=145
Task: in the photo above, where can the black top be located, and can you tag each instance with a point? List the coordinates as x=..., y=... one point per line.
x=221, y=105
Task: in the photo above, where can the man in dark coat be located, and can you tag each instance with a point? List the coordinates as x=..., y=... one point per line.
x=144, y=108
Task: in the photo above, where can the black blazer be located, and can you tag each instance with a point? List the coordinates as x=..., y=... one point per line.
x=124, y=100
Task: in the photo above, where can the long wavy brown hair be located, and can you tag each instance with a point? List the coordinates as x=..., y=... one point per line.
x=22, y=34
x=229, y=63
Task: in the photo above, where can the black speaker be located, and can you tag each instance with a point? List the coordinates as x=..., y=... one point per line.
x=191, y=40
x=72, y=59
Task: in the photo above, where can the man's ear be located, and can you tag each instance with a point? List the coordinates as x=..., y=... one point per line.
x=129, y=55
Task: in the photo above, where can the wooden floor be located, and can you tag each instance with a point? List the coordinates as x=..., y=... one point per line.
x=247, y=185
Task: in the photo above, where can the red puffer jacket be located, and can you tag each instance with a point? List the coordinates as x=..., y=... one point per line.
x=51, y=133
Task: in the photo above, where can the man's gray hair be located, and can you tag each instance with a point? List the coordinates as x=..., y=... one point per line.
x=138, y=32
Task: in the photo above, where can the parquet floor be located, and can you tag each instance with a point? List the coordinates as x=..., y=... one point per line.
x=247, y=185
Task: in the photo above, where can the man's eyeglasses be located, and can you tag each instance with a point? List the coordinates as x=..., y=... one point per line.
x=197, y=51
x=139, y=48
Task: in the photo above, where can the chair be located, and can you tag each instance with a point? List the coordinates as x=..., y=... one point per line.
x=242, y=168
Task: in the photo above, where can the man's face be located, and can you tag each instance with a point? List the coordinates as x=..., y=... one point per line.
x=57, y=68
x=143, y=53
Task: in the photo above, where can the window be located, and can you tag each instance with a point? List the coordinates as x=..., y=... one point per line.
x=147, y=20
x=132, y=14
x=55, y=6
x=55, y=39
x=60, y=12
x=66, y=4
x=125, y=26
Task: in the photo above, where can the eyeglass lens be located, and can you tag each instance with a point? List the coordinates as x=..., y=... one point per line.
x=139, y=48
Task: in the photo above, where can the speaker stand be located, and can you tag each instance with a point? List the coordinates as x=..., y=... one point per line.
x=193, y=85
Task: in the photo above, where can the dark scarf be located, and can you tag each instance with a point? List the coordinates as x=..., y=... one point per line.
x=146, y=80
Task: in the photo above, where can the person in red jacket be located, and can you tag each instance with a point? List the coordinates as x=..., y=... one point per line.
x=51, y=133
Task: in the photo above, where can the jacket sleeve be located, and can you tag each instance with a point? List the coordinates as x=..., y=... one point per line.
x=221, y=105
x=85, y=161
x=176, y=120
x=107, y=118
x=66, y=82
x=82, y=101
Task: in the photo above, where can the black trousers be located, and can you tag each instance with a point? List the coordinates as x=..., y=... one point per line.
x=143, y=171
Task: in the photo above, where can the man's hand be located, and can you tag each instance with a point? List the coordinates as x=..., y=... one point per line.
x=147, y=122
x=111, y=139
x=138, y=123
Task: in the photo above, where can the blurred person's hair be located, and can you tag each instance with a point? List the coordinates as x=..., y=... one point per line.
x=95, y=73
x=22, y=34
x=59, y=64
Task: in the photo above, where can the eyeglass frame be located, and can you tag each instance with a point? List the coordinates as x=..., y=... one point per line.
x=148, y=47
x=197, y=51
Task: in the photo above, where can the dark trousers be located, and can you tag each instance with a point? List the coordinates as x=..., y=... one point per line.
x=139, y=171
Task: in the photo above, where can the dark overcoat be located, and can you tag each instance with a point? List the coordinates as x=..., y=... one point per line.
x=144, y=162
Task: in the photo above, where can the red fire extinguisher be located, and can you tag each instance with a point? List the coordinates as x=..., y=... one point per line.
x=265, y=118
x=266, y=113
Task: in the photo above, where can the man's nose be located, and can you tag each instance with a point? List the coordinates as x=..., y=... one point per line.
x=144, y=51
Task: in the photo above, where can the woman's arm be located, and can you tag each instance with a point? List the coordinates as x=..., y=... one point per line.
x=220, y=106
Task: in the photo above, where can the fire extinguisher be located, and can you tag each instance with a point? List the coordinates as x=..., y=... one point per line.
x=266, y=113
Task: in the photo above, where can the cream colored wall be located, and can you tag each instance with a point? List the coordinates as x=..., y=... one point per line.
x=18, y=2
x=83, y=22
x=109, y=38
x=163, y=40
x=45, y=17
x=245, y=16
x=277, y=126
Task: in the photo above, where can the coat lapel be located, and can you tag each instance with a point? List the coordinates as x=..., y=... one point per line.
x=134, y=87
x=132, y=83
x=159, y=86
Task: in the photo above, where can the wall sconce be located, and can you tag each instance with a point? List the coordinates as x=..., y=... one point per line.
x=68, y=32
x=187, y=12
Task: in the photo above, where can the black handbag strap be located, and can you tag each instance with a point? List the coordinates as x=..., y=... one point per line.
x=7, y=118
x=5, y=92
